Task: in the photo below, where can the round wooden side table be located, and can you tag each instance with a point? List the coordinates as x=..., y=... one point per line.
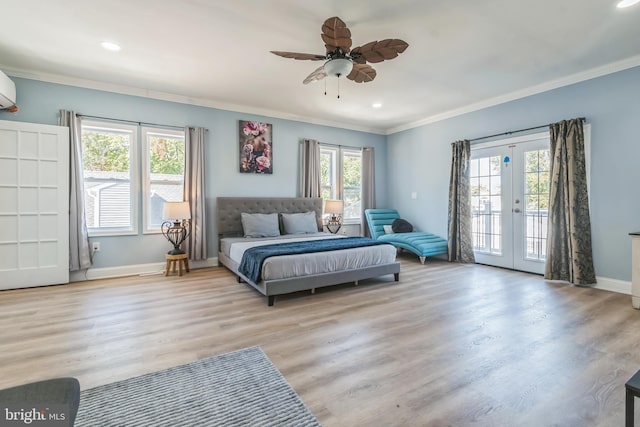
x=182, y=260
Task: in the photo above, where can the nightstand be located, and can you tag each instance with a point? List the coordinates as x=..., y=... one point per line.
x=181, y=259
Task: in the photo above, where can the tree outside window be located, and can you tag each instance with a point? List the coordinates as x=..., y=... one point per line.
x=341, y=178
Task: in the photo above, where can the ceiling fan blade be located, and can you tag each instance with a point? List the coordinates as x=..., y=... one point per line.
x=300, y=56
x=378, y=51
x=362, y=73
x=317, y=74
x=335, y=34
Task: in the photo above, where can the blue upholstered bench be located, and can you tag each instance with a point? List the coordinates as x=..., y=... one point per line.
x=419, y=242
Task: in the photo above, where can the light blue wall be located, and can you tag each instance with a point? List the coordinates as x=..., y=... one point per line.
x=39, y=102
x=419, y=159
x=414, y=160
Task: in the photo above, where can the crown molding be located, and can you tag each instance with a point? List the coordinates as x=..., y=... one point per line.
x=592, y=73
x=171, y=97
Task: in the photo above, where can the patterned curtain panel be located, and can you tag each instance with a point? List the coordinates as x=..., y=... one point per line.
x=460, y=242
x=79, y=251
x=368, y=186
x=310, y=168
x=194, y=192
x=569, y=255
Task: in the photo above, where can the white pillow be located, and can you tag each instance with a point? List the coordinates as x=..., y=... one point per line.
x=299, y=223
x=260, y=225
x=387, y=229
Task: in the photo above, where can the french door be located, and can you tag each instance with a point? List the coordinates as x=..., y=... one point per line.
x=509, y=203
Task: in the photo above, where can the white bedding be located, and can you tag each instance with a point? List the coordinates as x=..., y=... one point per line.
x=286, y=266
x=238, y=248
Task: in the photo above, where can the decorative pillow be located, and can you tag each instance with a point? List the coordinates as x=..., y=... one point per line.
x=401, y=226
x=387, y=229
x=299, y=223
x=260, y=225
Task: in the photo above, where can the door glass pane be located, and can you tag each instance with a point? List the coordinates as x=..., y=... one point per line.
x=536, y=190
x=486, y=208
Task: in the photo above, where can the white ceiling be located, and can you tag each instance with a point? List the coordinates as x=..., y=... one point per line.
x=462, y=54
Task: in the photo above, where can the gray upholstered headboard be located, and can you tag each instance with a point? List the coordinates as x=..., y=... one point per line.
x=228, y=210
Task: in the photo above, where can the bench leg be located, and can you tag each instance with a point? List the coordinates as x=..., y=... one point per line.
x=422, y=259
x=270, y=300
x=396, y=276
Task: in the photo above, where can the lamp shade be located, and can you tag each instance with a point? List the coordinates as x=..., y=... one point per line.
x=333, y=206
x=176, y=210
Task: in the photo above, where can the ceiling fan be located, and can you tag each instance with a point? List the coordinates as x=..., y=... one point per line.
x=341, y=59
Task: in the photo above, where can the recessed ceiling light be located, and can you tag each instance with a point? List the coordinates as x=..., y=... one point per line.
x=110, y=46
x=627, y=3
x=379, y=104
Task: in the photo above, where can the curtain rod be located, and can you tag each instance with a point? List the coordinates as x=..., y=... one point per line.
x=343, y=146
x=518, y=131
x=134, y=122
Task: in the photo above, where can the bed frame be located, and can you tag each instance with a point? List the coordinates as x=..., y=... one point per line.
x=229, y=224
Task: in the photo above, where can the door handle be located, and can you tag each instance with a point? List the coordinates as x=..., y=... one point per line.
x=516, y=210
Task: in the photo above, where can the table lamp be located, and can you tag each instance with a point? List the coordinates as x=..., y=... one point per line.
x=334, y=208
x=178, y=225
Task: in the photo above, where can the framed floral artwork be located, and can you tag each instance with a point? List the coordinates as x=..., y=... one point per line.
x=255, y=147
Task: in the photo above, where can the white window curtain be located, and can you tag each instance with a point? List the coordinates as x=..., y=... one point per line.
x=79, y=250
x=368, y=186
x=194, y=191
x=310, y=168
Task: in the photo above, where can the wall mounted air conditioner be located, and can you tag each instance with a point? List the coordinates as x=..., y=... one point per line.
x=7, y=92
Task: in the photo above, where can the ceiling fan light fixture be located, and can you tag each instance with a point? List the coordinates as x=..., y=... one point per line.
x=338, y=67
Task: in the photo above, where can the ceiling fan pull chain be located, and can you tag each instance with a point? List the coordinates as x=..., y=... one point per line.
x=338, y=86
x=325, y=87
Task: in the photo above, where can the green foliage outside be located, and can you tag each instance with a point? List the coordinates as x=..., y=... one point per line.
x=538, y=178
x=352, y=170
x=167, y=155
x=351, y=180
x=109, y=152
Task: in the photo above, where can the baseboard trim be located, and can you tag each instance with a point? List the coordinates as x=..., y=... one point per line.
x=604, y=283
x=613, y=285
x=133, y=270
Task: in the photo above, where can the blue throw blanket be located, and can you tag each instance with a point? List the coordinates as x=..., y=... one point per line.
x=253, y=258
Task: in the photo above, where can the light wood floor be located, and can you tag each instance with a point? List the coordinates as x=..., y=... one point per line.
x=448, y=345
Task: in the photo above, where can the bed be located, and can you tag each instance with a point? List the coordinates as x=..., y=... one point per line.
x=284, y=274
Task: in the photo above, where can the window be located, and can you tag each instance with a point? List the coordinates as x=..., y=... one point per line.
x=341, y=178
x=351, y=184
x=163, y=173
x=110, y=177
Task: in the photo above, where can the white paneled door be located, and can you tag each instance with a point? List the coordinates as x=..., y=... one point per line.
x=34, y=205
x=509, y=203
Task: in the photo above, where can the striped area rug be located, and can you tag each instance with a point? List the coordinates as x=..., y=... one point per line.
x=241, y=388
